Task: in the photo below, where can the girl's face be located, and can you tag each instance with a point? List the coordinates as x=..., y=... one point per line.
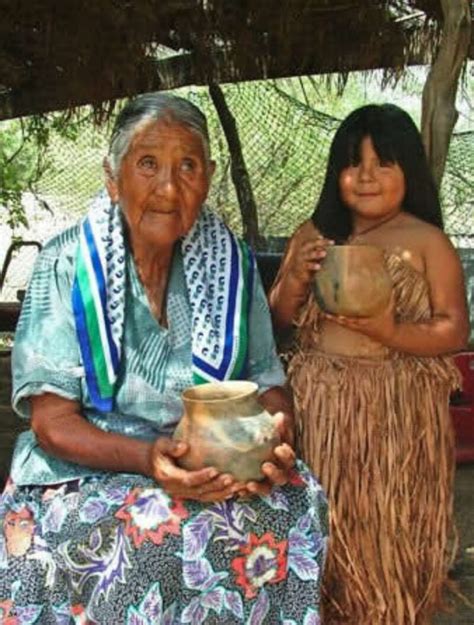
x=372, y=189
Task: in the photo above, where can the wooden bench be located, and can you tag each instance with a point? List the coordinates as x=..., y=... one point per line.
x=10, y=424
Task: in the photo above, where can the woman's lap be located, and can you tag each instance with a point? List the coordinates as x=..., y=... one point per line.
x=117, y=549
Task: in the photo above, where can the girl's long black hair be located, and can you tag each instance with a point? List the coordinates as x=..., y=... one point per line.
x=396, y=139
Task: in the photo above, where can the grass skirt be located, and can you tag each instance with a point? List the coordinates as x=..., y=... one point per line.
x=378, y=435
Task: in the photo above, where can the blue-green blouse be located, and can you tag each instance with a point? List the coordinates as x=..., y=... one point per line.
x=155, y=367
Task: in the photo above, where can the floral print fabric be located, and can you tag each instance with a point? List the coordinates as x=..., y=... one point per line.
x=116, y=549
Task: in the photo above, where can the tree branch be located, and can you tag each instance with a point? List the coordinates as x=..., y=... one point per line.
x=239, y=173
x=439, y=114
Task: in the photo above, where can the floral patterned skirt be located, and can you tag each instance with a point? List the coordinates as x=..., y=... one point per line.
x=117, y=549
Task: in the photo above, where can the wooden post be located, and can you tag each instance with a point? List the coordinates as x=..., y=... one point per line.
x=240, y=177
x=439, y=114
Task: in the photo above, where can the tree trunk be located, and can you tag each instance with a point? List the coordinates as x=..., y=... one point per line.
x=240, y=177
x=439, y=114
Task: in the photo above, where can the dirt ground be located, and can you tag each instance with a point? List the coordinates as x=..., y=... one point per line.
x=463, y=573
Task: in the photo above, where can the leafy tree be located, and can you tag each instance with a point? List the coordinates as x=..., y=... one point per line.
x=21, y=166
x=25, y=158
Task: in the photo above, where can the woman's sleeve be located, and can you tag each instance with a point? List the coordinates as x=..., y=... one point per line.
x=45, y=353
x=264, y=366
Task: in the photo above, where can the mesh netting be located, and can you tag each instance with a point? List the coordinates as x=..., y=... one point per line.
x=285, y=145
x=457, y=190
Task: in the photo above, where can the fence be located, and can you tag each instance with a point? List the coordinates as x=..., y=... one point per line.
x=285, y=145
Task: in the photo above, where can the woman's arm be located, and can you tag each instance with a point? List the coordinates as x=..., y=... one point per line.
x=291, y=287
x=62, y=431
x=448, y=328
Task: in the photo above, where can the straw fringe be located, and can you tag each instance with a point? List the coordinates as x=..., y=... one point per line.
x=377, y=433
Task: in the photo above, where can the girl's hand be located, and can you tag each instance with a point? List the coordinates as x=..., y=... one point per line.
x=381, y=327
x=303, y=255
x=305, y=258
x=205, y=485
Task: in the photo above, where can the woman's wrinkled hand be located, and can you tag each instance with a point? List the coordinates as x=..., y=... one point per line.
x=380, y=327
x=277, y=473
x=285, y=426
x=206, y=485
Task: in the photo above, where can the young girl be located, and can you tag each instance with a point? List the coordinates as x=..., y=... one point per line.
x=372, y=394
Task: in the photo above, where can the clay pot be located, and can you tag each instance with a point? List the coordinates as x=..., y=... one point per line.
x=227, y=428
x=353, y=281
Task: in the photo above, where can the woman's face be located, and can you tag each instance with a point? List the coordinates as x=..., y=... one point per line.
x=162, y=182
x=372, y=189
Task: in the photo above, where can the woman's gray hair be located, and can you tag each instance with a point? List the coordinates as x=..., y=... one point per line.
x=149, y=107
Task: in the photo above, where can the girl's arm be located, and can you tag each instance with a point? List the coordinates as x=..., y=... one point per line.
x=291, y=288
x=448, y=328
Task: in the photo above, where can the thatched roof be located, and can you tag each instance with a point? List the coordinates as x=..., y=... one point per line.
x=57, y=55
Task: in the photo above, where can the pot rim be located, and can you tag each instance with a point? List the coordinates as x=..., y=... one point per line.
x=198, y=392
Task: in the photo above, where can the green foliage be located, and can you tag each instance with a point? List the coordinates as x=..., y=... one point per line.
x=285, y=129
x=75, y=171
x=6, y=341
x=20, y=167
x=26, y=157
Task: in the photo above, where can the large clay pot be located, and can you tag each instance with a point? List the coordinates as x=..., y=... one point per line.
x=227, y=428
x=353, y=281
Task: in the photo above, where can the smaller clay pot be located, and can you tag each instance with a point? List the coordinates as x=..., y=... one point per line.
x=353, y=281
x=227, y=428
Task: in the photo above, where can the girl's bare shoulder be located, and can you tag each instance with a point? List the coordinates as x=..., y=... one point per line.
x=422, y=234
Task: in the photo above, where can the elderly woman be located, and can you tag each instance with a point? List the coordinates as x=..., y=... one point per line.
x=124, y=311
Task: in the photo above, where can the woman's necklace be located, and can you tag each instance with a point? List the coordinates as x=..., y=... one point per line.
x=355, y=235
